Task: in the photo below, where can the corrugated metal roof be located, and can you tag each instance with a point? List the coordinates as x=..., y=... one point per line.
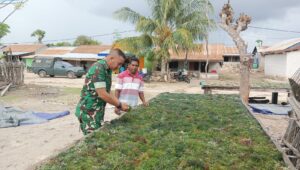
x=215, y=52
x=281, y=47
x=81, y=56
x=91, y=49
x=25, y=48
x=56, y=51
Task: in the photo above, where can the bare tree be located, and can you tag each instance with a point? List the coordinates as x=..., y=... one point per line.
x=17, y=5
x=234, y=30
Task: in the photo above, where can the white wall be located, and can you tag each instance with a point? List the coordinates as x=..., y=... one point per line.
x=276, y=65
x=293, y=63
x=261, y=60
x=214, y=66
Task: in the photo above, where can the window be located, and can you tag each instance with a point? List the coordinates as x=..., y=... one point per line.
x=236, y=59
x=194, y=66
x=231, y=59
x=48, y=61
x=226, y=59
x=38, y=61
x=66, y=64
x=173, y=65
x=203, y=66
x=58, y=64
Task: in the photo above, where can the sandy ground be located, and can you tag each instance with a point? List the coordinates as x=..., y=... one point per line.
x=25, y=146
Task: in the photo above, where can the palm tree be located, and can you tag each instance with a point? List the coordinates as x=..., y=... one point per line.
x=40, y=34
x=85, y=40
x=174, y=25
x=4, y=30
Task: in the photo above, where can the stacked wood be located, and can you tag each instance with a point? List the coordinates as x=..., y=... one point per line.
x=295, y=85
x=291, y=139
x=12, y=72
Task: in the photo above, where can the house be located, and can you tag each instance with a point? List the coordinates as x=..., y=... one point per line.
x=258, y=59
x=219, y=55
x=86, y=55
x=20, y=51
x=47, y=52
x=282, y=59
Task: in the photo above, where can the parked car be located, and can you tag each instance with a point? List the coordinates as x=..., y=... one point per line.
x=55, y=66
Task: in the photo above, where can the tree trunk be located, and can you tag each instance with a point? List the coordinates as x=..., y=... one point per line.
x=168, y=72
x=207, y=56
x=163, y=66
x=186, y=60
x=245, y=77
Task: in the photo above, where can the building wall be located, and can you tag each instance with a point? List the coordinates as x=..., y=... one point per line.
x=28, y=62
x=214, y=66
x=261, y=62
x=230, y=67
x=293, y=63
x=276, y=65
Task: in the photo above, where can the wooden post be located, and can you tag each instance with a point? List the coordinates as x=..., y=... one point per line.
x=12, y=72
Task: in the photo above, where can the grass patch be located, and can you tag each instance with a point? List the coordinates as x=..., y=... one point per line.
x=10, y=98
x=268, y=84
x=259, y=83
x=72, y=90
x=177, y=131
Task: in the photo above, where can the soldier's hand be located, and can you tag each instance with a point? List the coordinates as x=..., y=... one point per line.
x=117, y=111
x=146, y=104
x=124, y=107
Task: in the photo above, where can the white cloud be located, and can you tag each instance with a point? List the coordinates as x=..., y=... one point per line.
x=69, y=18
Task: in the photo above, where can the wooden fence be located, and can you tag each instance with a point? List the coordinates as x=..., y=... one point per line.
x=291, y=139
x=12, y=72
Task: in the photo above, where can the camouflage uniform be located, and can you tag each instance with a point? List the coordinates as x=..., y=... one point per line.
x=90, y=109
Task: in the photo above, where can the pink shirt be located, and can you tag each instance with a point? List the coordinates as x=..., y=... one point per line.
x=130, y=87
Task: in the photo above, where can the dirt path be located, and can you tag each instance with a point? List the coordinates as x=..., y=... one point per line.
x=24, y=146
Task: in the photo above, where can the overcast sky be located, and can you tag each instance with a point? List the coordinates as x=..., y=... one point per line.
x=63, y=19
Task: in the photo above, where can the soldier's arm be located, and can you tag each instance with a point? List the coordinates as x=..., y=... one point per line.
x=107, y=97
x=99, y=81
x=117, y=93
x=111, y=99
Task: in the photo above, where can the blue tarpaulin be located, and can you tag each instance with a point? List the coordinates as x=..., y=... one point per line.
x=271, y=109
x=12, y=117
x=50, y=116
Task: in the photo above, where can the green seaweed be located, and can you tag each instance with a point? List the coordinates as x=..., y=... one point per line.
x=177, y=131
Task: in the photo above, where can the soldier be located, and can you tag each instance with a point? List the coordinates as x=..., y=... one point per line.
x=96, y=92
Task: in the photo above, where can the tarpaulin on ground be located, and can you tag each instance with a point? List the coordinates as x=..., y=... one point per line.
x=271, y=109
x=12, y=117
x=51, y=116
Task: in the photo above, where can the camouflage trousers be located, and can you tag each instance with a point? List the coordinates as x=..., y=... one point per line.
x=89, y=120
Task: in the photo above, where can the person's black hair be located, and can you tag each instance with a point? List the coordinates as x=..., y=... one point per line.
x=131, y=59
